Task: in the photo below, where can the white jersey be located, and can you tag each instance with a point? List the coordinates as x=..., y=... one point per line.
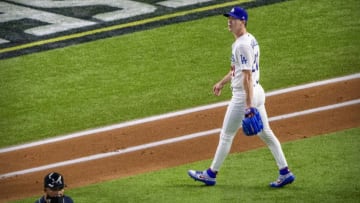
x=245, y=56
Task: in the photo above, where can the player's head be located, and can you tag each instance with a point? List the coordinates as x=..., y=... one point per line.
x=236, y=17
x=54, y=185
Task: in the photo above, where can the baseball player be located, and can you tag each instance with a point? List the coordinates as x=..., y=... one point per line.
x=54, y=189
x=247, y=93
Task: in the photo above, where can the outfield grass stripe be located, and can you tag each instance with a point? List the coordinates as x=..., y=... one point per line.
x=169, y=115
x=121, y=26
x=169, y=141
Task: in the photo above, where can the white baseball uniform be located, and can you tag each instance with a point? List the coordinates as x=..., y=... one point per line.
x=245, y=56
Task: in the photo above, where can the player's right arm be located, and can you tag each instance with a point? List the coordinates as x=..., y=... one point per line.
x=219, y=85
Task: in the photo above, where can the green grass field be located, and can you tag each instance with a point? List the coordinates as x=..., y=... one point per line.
x=174, y=67
x=327, y=170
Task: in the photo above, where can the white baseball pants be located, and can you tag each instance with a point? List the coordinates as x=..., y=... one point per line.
x=232, y=122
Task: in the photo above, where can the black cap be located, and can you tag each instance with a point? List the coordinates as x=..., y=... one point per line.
x=54, y=181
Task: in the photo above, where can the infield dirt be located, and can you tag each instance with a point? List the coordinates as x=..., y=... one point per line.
x=170, y=155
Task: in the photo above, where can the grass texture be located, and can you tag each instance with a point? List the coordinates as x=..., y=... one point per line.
x=170, y=68
x=326, y=169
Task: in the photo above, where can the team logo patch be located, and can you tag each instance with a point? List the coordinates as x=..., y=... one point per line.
x=243, y=59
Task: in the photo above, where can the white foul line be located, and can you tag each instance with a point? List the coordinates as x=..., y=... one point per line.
x=168, y=141
x=309, y=111
x=169, y=115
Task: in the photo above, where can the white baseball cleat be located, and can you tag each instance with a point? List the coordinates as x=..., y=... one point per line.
x=202, y=176
x=283, y=180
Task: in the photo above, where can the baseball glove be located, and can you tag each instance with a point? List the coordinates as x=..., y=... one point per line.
x=252, y=123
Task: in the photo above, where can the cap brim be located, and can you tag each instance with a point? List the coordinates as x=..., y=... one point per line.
x=57, y=187
x=232, y=15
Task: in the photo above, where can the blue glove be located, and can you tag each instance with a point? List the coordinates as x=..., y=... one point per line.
x=252, y=123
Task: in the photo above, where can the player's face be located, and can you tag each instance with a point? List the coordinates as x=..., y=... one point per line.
x=235, y=25
x=54, y=193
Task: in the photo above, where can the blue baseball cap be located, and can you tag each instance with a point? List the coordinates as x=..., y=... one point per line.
x=238, y=13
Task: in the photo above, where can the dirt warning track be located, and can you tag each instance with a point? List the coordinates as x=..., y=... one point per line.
x=174, y=140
